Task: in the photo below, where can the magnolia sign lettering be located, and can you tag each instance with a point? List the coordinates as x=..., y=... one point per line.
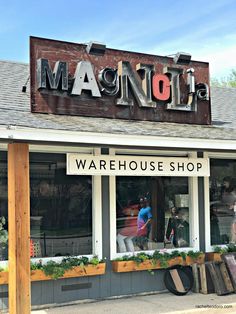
x=136, y=165
x=155, y=88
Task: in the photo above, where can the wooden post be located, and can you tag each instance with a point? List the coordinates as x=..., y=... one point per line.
x=19, y=228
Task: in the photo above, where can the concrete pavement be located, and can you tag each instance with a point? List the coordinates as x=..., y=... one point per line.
x=160, y=303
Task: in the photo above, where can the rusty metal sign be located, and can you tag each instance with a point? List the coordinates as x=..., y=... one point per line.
x=66, y=79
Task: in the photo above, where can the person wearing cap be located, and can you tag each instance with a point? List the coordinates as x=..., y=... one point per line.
x=143, y=223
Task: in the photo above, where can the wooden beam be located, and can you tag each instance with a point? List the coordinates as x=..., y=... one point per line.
x=19, y=228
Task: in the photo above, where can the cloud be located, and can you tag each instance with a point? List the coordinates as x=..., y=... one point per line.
x=221, y=61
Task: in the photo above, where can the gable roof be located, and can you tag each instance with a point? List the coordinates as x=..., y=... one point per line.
x=15, y=113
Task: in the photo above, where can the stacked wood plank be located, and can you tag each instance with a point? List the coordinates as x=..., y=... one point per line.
x=216, y=277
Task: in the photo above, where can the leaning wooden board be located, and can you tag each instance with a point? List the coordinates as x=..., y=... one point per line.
x=230, y=261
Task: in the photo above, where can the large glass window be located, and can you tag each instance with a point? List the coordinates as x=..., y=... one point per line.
x=3, y=207
x=152, y=213
x=61, y=208
x=223, y=201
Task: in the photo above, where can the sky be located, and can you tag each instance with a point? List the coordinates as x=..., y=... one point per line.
x=204, y=28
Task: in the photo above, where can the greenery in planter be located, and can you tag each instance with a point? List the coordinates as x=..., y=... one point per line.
x=227, y=249
x=3, y=234
x=140, y=257
x=231, y=248
x=162, y=257
x=220, y=250
x=56, y=270
x=194, y=254
x=159, y=256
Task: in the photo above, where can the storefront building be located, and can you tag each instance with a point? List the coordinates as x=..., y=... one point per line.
x=90, y=137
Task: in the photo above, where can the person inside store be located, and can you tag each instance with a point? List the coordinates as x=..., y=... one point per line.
x=233, y=227
x=215, y=230
x=228, y=197
x=127, y=233
x=144, y=223
x=183, y=228
x=171, y=234
x=177, y=231
x=228, y=194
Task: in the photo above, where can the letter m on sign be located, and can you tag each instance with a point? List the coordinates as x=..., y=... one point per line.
x=53, y=80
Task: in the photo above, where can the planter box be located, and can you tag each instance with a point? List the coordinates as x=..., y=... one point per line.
x=176, y=261
x=199, y=260
x=3, y=278
x=39, y=275
x=213, y=257
x=127, y=266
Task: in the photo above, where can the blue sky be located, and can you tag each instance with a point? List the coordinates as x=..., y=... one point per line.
x=204, y=28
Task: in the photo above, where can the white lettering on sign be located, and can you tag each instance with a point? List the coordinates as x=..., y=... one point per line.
x=136, y=165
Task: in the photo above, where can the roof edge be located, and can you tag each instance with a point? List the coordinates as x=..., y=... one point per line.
x=58, y=136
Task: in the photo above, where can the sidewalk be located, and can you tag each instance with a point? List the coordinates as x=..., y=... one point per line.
x=155, y=303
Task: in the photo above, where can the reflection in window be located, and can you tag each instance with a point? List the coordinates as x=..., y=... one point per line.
x=152, y=213
x=61, y=208
x=3, y=207
x=223, y=201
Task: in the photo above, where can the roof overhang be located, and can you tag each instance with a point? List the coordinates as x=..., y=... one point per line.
x=12, y=133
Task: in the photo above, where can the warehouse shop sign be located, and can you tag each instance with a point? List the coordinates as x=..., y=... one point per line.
x=78, y=164
x=154, y=88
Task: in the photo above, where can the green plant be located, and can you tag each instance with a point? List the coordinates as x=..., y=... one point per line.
x=124, y=258
x=37, y=265
x=231, y=248
x=194, y=254
x=183, y=255
x=57, y=269
x=162, y=257
x=220, y=250
x=53, y=269
x=3, y=232
x=140, y=257
x=175, y=253
x=151, y=272
x=159, y=256
x=94, y=260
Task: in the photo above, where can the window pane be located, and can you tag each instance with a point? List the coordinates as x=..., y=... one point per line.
x=3, y=207
x=61, y=208
x=152, y=213
x=223, y=201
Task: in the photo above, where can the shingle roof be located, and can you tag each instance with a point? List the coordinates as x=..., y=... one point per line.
x=15, y=111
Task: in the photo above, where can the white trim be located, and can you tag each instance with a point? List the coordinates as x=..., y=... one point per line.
x=193, y=209
x=151, y=152
x=3, y=146
x=60, y=149
x=97, y=212
x=11, y=133
x=211, y=155
x=112, y=201
x=96, y=200
x=96, y=195
x=208, y=247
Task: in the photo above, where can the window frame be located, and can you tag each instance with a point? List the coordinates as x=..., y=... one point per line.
x=212, y=155
x=193, y=194
x=96, y=199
